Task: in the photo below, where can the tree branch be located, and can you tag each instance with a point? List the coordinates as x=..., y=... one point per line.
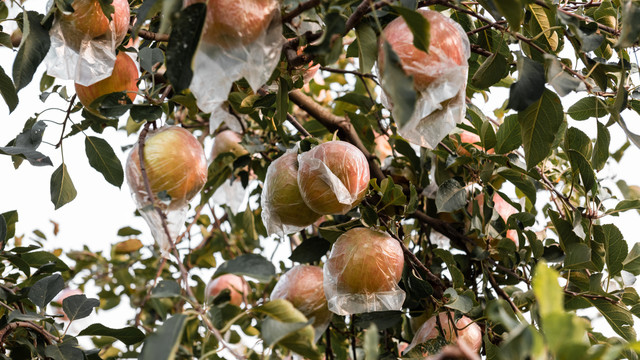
x=148, y=35
x=302, y=7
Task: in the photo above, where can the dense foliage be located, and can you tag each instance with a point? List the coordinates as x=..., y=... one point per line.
x=525, y=277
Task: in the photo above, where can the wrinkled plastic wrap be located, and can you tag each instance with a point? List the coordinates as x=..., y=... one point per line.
x=283, y=208
x=333, y=177
x=362, y=273
x=83, y=43
x=240, y=39
x=176, y=167
x=237, y=286
x=302, y=287
x=465, y=331
x=440, y=76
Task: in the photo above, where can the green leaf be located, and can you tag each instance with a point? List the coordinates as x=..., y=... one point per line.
x=144, y=113
x=562, y=82
x=3, y=231
x=183, y=43
x=62, y=189
x=128, y=335
x=586, y=172
x=253, y=265
x=618, y=317
x=282, y=103
x=522, y=182
x=128, y=231
x=371, y=340
x=578, y=257
x=451, y=196
x=601, y=149
x=10, y=219
x=418, y=25
x=512, y=10
x=398, y=86
x=508, y=136
x=26, y=143
x=616, y=249
x=457, y=302
x=63, y=351
x=79, y=306
x=310, y=250
x=564, y=229
x=630, y=27
x=149, y=57
x=164, y=343
x=274, y=331
x=45, y=289
x=34, y=48
x=588, y=107
x=102, y=158
x=17, y=315
x=539, y=124
x=166, y=288
x=547, y=290
x=367, y=47
x=452, y=266
x=493, y=69
x=8, y=91
x=529, y=87
x=632, y=262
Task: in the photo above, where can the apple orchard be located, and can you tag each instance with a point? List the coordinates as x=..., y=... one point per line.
x=435, y=176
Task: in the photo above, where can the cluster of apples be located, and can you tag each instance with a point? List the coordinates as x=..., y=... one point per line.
x=331, y=178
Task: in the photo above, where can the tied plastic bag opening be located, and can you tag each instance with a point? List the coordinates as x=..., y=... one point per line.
x=226, y=54
x=302, y=287
x=362, y=273
x=333, y=177
x=283, y=208
x=176, y=168
x=83, y=43
x=439, y=77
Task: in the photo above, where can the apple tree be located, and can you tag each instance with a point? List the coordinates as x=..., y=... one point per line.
x=434, y=174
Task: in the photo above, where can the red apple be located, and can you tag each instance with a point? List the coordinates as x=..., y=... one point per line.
x=230, y=23
x=174, y=161
x=302, y=287
x=282, y=202
x=467, y=137
x=88, y=21
x=503, y=208
x=333, y=177
x=236, y=285
x=466, y=331
x=383, y=148
x=363, y=261
x=123, y=78
x=446, y=48
x=227, y=141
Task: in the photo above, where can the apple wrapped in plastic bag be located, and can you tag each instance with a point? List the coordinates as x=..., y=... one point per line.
x=439, y=76
x=84, y=41
x=240, y=39
x=302, y=287
x=333, y=177
x=176, y=168
x=465, y=332
x=283, y=208
x=362, y=273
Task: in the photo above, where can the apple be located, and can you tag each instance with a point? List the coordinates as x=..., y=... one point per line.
x=174, y=161
x=236, y=285
x=503, y=208
x=446, y=48
x=60, y=298
x=89, y=21
x=123, y=78
x=230, y=23
x=383, y=149
x=302, y=287
x=227, y=141
x=363, y=261
x=467, y=137
x=16, y=38
x=282, y=202
x=333, y=177
x=466, y=331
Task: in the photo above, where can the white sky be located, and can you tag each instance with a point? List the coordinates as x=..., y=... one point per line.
x=100, y=209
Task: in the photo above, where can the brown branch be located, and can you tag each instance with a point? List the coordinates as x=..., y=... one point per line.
x=66, y=118
x=343, y=71
x=5, y=331
x=148, y=295
x=500, y=291
x=298, y=126
x=362, y=10
x=302, y=7
x=148, y=35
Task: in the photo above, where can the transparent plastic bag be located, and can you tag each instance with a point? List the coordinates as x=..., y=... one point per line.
x=333, y=177
x=440, y=76
x=302, y=287
x=283, y=208
x=362, y=273
x=83, y=43
x=226, y=54
x=177, y=170
x=465, y=332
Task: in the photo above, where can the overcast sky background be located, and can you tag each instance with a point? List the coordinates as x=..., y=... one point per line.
x=100, y=209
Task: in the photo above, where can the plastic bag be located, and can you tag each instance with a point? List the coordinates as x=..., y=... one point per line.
x=83, y=43
x=283, y=208
x=302, y=287
x=362, y=273
x=177, y=170
x=226, y=54
x=333, y=177
x=465, y=331
x=440, y=77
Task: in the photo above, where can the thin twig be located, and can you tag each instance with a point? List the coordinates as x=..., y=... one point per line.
x=298, y=126
x=302, y=7
x=148, y=35
x=500, y=291
x=66, y=118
